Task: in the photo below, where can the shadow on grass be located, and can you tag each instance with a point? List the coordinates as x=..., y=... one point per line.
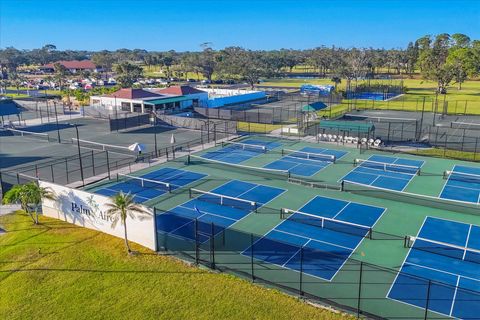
x=194, y=272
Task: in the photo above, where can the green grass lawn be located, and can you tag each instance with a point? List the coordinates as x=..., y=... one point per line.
x=59, y=271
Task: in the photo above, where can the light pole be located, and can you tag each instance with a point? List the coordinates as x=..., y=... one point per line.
x=155, y=138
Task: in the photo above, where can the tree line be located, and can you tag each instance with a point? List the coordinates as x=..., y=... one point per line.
x=442, y=58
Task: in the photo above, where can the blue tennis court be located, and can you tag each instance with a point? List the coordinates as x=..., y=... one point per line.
x=237, y=152
x=222, y=207
x=446, y=253
x=307, y=161
x=145, y=187
x=318, y=238
x=385, y=172
x=463, y=184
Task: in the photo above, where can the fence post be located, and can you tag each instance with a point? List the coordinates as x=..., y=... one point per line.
x=428, y=299
x=51, y=169
x=251, y=257
x=108, y=165
x=301, y=271
x=445, y=148
x=359, y=299
x=475, y=151
x=388, y=135
x=197, y=252
x=212, y=246
x=66, y=169
x=93, y=164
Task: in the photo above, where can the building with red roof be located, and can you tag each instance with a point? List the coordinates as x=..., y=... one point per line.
x=72, y=66
x=141, y=100
x=180, y=90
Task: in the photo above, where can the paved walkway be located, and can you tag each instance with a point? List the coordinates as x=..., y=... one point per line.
x=6, y=209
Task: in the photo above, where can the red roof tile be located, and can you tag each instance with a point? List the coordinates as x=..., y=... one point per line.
x=129, y=93
x=180, y=90
x=73, y=64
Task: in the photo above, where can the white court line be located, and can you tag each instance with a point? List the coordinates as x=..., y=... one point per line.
x=311, y=239
x=293, y=255
x=316, y=163
x=192, y=219
x=310, y=274
x=354, y=170
x=457, y=187
x=454, y=296
x=428, y=268
x=207, y=212
x=466, y=242
x=405, y=259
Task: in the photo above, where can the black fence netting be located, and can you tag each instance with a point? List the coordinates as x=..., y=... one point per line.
x=126, y=121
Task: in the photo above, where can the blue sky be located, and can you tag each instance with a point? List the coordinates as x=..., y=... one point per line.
x=183, y=24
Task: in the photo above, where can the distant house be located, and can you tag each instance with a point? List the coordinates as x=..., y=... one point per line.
x=141, y=100
x=72, y=66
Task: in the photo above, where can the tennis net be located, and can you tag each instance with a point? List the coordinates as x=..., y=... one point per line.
x=28, y=134
x=461, y=176
x=102, y=146
x=264, y=172
x=223, y=200
x=465, y=125
x=244, y=146
x=392, y=167
x=443, y=248
x=143, y=182
x=408, y=197
x=327, y=223
x=309, y=155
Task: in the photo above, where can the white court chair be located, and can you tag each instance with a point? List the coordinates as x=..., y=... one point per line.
x=348, y=139
x=377, y=143
x=340, y=138
x=370, y=142
x=363, y=141
x=329, y=137
x=334, y=138
x=325, y=137
x=355, y=140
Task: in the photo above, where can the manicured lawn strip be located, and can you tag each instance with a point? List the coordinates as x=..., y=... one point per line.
x=59, y=271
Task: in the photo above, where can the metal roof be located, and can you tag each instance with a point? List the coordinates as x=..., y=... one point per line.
x=347, y=125
x=167, y=100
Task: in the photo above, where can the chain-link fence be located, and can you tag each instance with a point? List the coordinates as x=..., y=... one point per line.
x=99, y=164
x=359, y=287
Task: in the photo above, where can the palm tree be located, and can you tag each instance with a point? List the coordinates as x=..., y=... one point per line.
x=122, y=207
x=17, y=196
x=35, y=195
x=29, y=196
x=336, y=80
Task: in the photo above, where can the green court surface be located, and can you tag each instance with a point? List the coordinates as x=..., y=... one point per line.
x=363, y=282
